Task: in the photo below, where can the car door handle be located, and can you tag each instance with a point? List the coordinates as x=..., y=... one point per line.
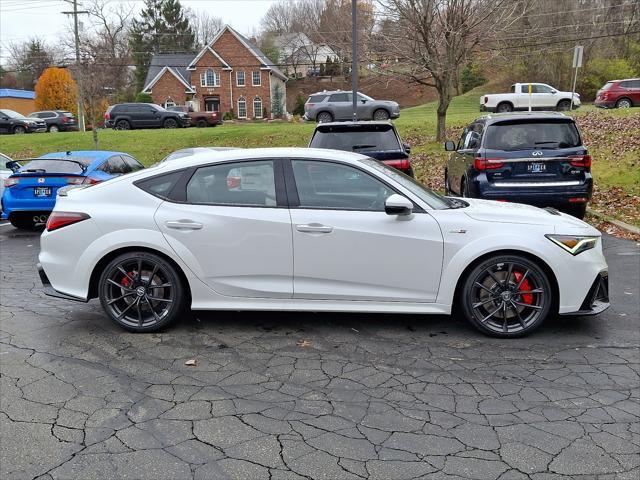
x=314, y=228
x=184, y=225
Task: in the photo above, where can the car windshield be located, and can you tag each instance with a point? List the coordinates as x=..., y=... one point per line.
x=45, y=165
x=430, y=197
x=362, y=96
x=380, y=138
x=11, y=113
x=528, y=135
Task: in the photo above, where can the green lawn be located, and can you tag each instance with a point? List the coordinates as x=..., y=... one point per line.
x=609, y=135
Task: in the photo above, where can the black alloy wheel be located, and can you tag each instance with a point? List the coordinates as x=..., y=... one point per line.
x=201, y=123
x=507, y=296
x=19, y=130
x=170, y=123
x=141, y=292
x=123, y=125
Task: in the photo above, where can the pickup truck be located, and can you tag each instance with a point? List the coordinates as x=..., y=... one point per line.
x=543, y=97
x=199, y=119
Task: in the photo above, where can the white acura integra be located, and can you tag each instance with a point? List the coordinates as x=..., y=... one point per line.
x=320, y=230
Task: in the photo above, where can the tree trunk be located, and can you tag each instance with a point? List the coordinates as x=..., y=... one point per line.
x=444, y=99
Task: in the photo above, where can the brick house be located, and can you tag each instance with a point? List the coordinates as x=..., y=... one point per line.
x=229, y=74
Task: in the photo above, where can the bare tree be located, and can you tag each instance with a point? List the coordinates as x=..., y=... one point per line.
x=435, y=37
x=205, y=27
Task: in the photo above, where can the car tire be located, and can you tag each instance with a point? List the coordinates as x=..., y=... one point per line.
x=22, y=221
x=122, y=125
x=564, y=105
x=141, y=292
x=19, y=130
x=504, y=107
x=409, y=171
x=624, y=103
x=465, y=190
x=578, y=211
x=447, y=184
x=170, y=123
x=381, y=114
x=54, y=129
x=324, y=117
x=201, y=123
x=493, y=300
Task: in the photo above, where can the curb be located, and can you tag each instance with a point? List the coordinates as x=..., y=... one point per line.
x=617, y=223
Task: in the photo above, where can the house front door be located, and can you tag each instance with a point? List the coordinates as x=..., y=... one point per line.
x=212, y=104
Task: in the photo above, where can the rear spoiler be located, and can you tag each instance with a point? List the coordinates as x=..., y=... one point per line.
x=82, y=165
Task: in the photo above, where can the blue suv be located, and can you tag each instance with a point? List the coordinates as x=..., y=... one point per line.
x=533, y=158
x=30, y=192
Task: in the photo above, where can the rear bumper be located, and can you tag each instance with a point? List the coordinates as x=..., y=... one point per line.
x=48, y=290
x=597, y=299
x=484, y=108
x=542, y=195
x=11, y=205
x=605, y=103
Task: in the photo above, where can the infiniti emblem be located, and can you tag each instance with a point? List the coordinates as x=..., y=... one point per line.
x=537, y=153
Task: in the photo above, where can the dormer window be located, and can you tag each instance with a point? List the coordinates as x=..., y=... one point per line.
x=210, y=78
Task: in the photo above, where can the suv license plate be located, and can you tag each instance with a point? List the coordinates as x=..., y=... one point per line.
x=42, y=191
x=537, y=167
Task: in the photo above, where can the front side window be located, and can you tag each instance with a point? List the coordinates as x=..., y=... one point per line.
x=240, y=78
x=244, y=184
x=542, y=89
x=257, y=107
x=242, y=107
x=333, y=186
x=257, y=80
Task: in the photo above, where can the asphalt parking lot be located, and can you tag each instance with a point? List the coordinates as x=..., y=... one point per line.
x=321, y=396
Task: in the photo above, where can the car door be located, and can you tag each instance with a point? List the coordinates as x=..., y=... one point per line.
x=341, y=106
x=542, y=97
x=464, y=156
x=345, y=247
x=233, y=229
x=5, y=122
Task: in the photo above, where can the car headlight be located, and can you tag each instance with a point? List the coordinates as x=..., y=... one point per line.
x=574, y=244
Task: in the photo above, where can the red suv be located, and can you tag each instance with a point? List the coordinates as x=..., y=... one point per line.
x=619, y=94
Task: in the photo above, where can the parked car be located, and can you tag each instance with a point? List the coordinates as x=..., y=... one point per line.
x=379, y=140
x=57, y=120
x=7, y=167
x=318, y=230
x=619, y=94
x=125, y=116
x=199, y=119
x=543, y=97
x=14, y=122
x=535, y=158
x=187, y=152
x=338, y=105
x=30, y=192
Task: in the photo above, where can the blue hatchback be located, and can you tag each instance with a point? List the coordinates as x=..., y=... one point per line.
x=30, y=193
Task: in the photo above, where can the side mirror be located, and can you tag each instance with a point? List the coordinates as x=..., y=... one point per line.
x=13, y=166
x=363, y=100
x=449, y=146
x=398, y=205
x=407, y=147
x=554, y=91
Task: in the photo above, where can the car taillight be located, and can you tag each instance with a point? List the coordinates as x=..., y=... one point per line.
x=488, y=163
x=106, y=116
x=62, y=219
x=90, y=181
x=486, y=99
x=400, y=164
x=75, y=180
x=11, y=181
x=580, y=160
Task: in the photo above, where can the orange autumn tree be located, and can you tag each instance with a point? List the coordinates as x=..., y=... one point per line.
x=56, y=90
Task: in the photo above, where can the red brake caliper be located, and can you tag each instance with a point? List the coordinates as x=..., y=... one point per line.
x=126, y=281
x=525, y=287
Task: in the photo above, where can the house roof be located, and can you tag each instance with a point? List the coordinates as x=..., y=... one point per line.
x=258, y=54
x=14, y=93
x=178, y=63
x=171, y=70
x=192, y=65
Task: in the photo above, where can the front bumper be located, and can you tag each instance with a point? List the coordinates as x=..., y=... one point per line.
x=48, y=290
x=36, y=129
x=597, y=299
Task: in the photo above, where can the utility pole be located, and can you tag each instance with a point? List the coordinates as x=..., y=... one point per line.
x=354, y=58
x=75, y=14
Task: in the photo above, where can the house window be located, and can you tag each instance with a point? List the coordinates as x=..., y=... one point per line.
x=256, y=78
x=242, y=108
x=257, y=107
x=169, y=103
x=210, y=78
x=240, y=78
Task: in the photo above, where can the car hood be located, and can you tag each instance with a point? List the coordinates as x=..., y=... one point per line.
x=507, y=212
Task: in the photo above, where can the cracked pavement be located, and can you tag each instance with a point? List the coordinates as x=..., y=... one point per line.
x=366, y=396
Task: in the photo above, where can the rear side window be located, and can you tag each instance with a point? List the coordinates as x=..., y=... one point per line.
x=316, y=98
x=607, y=86
x=51, y=166
x=132, y=164
x=529, y=135
x=161, y=185
x=339, y=97
x=630, y=84
x=356, y=140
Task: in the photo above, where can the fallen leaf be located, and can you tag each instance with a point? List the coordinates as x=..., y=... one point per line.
x=191, y=363
x=304, y=343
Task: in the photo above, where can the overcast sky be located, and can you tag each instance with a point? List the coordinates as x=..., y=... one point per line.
x=22, y=19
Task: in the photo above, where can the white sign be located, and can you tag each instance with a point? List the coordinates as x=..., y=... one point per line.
x=577, y=56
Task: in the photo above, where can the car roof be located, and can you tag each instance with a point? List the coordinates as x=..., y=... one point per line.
x=329, y=92
x=623, y=80
x=93, y=155
x=358, y=123
x=500, y=117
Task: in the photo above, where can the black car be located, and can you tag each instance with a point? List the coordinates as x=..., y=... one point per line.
x=125, y=116
x=57, y=120
x=14, y=122
x=378, y=140
x=537, y=159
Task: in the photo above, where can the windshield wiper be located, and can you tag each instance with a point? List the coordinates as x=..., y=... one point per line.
x=455, y=203
x=360, y=147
